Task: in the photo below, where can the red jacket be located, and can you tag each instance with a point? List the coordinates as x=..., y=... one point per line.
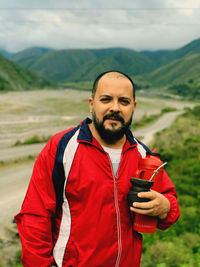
x=75, y=212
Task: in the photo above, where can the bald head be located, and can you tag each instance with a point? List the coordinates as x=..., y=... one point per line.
x=112, y=75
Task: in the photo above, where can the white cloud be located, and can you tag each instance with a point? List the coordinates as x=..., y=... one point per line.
x=147, y=24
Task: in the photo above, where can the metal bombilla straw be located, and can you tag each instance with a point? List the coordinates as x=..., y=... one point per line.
x=156, y=171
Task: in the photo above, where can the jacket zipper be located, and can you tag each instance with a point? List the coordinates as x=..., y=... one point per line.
x=117, y=212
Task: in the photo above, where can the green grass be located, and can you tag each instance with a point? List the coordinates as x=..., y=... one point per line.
x=84, y=85
x=36, y=139
x=186, y=90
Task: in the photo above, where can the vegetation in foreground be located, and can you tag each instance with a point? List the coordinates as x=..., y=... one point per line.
x=179, y=246
x=10, y=256
x=188, y=90
x=36, y=139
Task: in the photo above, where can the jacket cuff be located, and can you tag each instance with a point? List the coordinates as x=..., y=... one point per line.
x=172, y=215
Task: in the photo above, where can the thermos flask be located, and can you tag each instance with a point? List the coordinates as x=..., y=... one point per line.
x=141, y=183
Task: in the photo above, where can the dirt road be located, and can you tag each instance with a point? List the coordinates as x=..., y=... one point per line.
x=12, y=153
x=162, y=123
x=13, y=185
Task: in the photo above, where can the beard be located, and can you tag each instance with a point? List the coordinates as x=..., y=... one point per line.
x=108, y=135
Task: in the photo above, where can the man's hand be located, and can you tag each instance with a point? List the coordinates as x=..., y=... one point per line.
x=158, y=205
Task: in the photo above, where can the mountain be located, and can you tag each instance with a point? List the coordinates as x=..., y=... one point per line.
x=156, y=68
x=5, y=53
x=187, y=50
x=58, y=65
x=30, y=53
x=85, y=64
x=127, y=61
x=155, y=54
x=177, y=72
x=13, y=77
x=27, y=57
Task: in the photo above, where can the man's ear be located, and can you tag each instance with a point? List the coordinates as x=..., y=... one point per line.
x=134, y=107
x=90, y=104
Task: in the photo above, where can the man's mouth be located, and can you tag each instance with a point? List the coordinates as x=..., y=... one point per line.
x=113, y=117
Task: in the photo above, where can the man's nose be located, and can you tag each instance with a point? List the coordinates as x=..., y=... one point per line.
x=115, y=106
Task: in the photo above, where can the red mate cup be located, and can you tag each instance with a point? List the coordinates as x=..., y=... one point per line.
x=141, y=183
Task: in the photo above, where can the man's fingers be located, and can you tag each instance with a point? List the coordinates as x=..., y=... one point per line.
x=142, y=211
x=143, y=205
x=150, y=194
x=156, y=206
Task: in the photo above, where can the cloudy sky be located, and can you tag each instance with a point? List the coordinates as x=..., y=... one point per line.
x=61, y=24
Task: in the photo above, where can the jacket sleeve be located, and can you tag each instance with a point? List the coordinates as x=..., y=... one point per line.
x=34, y=221
x=169, y=191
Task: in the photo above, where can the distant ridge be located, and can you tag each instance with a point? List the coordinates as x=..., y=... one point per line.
x=75, y=65
x=187, y=50
x=30, y=53
x=155, y=54
x=78, y=67
x=5, y=53
x=85, y=64
x=13, y=77
x=177, y=72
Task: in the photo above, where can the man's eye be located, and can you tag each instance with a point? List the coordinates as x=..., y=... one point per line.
x=125, y=102
x=105, y=100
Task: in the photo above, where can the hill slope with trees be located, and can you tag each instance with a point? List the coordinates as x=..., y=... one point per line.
x=85, y=64
x=13, y=77
x=178, y=71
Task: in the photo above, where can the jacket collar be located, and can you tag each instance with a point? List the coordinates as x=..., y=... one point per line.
x=85, y=135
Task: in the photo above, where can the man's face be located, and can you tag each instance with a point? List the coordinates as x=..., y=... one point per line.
x=112, y=107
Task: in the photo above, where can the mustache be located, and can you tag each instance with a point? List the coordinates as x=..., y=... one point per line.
x=113, y=115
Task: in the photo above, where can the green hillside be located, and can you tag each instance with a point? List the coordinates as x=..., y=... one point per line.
x=155, y=55
x=60, y=65
x=5, y=53
x=85, y=64
x=74, y=65
x=187, y=50
x=127, y=61
x=179, y=71
x=28, y=53
x=13, y=77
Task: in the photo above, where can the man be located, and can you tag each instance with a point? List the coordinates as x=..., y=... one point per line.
x=75, y=212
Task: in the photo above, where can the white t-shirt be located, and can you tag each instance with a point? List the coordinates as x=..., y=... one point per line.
x=115, y=156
